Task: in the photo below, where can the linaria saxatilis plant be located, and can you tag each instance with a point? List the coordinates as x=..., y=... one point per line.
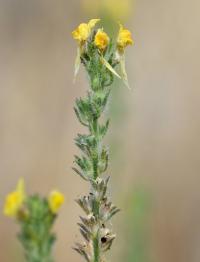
x=100, y=56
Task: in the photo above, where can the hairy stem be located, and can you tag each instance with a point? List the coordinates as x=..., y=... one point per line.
x=94, y=161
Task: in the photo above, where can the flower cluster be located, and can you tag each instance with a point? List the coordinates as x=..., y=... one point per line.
x=36, y=216
x=110, y=52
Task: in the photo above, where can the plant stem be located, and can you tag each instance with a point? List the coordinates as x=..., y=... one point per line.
x=94, y=161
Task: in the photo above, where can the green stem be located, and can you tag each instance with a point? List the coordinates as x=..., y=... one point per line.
x=96, y=241
x=95, y=158
x=96, y=248
x=94, y=162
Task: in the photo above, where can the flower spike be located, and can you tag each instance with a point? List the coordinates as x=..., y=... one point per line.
x=100, y=57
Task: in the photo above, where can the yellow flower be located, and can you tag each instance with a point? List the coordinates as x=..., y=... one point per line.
x=81, y=34
x=15, y=200
x=101, y=39
x=55, y=201
x=124, y=38
x=83, y=31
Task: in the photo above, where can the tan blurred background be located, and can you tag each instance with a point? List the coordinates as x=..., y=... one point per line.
x=154, y=135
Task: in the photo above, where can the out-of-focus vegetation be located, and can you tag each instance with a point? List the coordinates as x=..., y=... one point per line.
x=137, y=226
x=114, y=9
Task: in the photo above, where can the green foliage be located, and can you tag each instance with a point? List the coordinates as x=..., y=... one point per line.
x=137, y=226
x=100, y=77
x=36, y=222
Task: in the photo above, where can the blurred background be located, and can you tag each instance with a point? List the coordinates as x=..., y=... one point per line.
x=154, y=133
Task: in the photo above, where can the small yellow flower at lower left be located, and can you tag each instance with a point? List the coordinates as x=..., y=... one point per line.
x=55, y=201
x=15, y=200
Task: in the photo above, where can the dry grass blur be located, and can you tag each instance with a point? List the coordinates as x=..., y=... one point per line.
x=159, y=139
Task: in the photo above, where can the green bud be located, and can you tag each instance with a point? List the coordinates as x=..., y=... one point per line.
x=96, y=83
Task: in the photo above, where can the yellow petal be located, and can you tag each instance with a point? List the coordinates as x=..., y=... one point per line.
x=77, y=63
x=109, y=67
x=81, y=33
x=15, y=200
x=55, y=201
